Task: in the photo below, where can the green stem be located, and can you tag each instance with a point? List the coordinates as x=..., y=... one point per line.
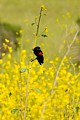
x=39, y=22
x=27, y=94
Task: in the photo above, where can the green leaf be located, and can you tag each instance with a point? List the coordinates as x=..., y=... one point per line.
x=77, y=109
x=10, y=93
x=32, y=24
x=44, y=35
x=15, y=110
x=38, y=90
x=23, y=70
x=45, y=14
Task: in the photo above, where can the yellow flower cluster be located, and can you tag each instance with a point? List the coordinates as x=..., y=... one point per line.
x=34, y=92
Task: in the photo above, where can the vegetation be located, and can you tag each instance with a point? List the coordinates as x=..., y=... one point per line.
x=9, y=35
x=29, y=91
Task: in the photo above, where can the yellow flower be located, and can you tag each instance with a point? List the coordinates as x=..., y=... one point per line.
x=51, y=62
x=10, y=49
x=6, y=40
x=23, y=52
x=46, y=29
x=1, y=61
x=9, y=56
x=3, y=54
x=4, y=45
x=21, y=31
x=43, y=7
x=17, y=33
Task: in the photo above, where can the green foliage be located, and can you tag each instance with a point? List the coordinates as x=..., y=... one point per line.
x=44, y=35
x=9, y=27
x=23, y=70
x=15, y=110
x=38, y=90
x=12, y=34
x=78, y=21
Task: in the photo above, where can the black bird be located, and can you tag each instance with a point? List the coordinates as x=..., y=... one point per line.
x=38, y=52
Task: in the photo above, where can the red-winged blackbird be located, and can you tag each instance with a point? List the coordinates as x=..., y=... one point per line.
x=38, y=52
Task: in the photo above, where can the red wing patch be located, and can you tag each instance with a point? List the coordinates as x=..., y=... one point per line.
x=40, y=53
